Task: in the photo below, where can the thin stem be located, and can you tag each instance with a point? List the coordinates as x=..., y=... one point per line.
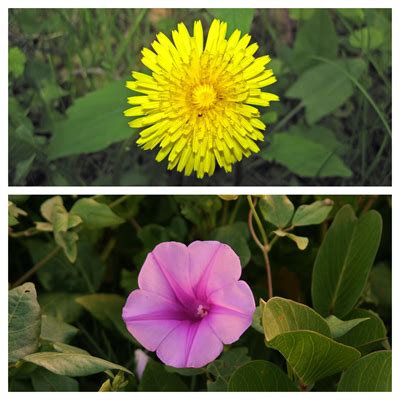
x=36, y=267
x=287, y=118
x=263, y=247
x=235, y=210
x=118, y=201
x=258, y=221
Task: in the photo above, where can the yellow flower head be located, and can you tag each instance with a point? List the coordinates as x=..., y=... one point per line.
x=197, y=104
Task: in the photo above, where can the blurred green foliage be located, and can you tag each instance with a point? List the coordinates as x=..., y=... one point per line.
x=67, y=332
x=67, y=70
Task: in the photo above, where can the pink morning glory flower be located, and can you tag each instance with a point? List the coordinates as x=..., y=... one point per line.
x=189, y=303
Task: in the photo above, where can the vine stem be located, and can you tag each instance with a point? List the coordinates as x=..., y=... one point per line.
x=36, y=267
x=263, y=247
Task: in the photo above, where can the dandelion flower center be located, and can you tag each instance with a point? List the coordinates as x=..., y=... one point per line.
x=204, y=97
x=197, y=105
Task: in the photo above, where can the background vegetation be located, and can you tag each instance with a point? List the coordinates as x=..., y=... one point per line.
x=82, y=256
x=67, y=70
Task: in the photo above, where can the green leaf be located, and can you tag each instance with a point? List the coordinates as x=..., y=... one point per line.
x=60, y=305
x=344, y=261
x=372, y=373
x=257, y=320
x=95, y=215
x=23, y=322
x=277, y=210
x=284, y=315
x=106, y=308
x=339, y=328
x=260, y=376
x=312, y=214
x=236, y=18
x=353, y=14
x=156, y=379
x=324, y=88
x=301, y=242
x=316, y=36
x=13, y=213
x=93, y=123
x=16, y=61
x=54, y=330
x=225, y=366
x=303, y=338
x=368, y=38
x=235, y=235
x=50, y=206
x=301, y=13
x=67, y=241
x=72, y=364
x=369, y=335
x=67, y=348
x=45, y=381
x=304, y=157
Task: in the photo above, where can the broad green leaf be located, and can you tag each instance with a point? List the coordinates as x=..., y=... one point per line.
x=60, y=305
x=72, y=364
x=372, y=373
x=106, y=308
x=224, y=367
x=301, y=242
x=316, y=37
x=54, y=330
x=303, y=349
x=260, y=376
x=312, y=214
x=23, y=322
x=304, y=157
x=93, y=123
x=284, y=315
x=339, y=328
x=235, y=235
x=324, y=88
x=16, y=61
x=367, y=336
x=156, y=379
x=277, y=209
x=368, y=38
x=45, y=381
x=303, y=337
x=344, y=261
x=95, y=215
x=236, y=18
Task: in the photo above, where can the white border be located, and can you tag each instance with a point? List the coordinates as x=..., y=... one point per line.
x=5, y=190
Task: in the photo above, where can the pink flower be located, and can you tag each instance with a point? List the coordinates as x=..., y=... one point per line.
x=189, y=303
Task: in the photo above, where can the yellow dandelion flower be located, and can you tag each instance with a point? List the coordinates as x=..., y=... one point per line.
x=198, y=103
